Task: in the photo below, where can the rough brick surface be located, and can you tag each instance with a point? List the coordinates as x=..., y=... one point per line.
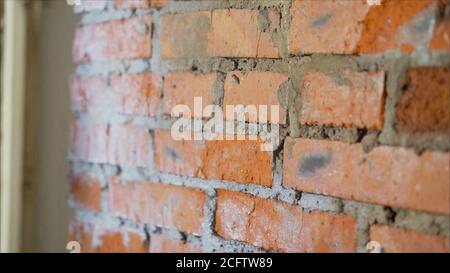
x=424, y=106
x=127, y=38
x=87, y=93
x=164, y=244
x=86, y=191
x=134, y=4
x=240, y=88
x=110, y=143
x=220, y=33
x=182, y=87
x=245, y=218
x=386, y=175
x=346, y=27
x=163, y=205
x=135, y=94
x=393, y=239
x=355, y=100
x=231, y=160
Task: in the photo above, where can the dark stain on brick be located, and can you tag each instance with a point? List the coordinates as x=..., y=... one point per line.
x=322, y=20
x=172, y=153
x=311, y=163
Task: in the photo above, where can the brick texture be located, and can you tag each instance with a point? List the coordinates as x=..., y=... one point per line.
x=356, y=100
x=87, y=93
x=134, y=4
x=86, y=191
x=182, y=87
x=167, y=206
x=164, y=244
x=220, y=33
x=245, y=218
x=346, y=27
x=424, y=106
x=240, y=88
x=127, y=38
x=231, y=160
x=386, y=175
x=394, y=239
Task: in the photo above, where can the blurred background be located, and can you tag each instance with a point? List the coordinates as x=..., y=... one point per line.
x=36, y=64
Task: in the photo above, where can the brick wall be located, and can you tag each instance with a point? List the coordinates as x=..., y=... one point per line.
x=364, y=126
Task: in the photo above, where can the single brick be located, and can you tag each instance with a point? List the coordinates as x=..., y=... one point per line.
x=119, y=39
x=278, y=226
x=346, y=27
x=86, y=191
x=182, y=87
x=90, y=5
x=160, y=243
x=136, y=4
x=357, y=100
x=255, y=88
x=424, y=106
x=219, y=33
x=119, y=241
x=157, y=204
x=393, y=239
x=123, y=144
x=135, y=94
x=387, y=175
x=231, y=160
x=87, y=93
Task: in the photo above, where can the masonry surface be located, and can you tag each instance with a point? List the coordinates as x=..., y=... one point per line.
x=364, y=129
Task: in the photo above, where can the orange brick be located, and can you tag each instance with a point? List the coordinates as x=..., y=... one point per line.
x=231, y=160
x=182, y=87
x=359, y=102
x=135, y=4
x=123, y=144
x=278, y=226
x=346, y=27
x=441, y=34
x=219, y=33
x=386, y=175
x=135, y=94
x=163, y=244
x=86, y=191
x=87, y=93
x=394, y=239
x=163, y=205
x=254, y=88
x=119, y=241
x=118, y=39
x=424, y=106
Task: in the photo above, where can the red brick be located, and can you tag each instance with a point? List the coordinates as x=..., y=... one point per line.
x=87, y=93
x=359, y=102
x=387, y=175
x=278, y=226
x=394, y=239
x=90, y=5
x=254, y=88
x=119, y=39
x=135, y=4
x=182, y=87
x=86, y=191
x=123, y=144
x=424, y=106
x=119, y=241
x=106, y=239
x=346, y=27
x=136, y=94
x=163, y=244
x=163, y=205
x=219, y=33
x=231, y=160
